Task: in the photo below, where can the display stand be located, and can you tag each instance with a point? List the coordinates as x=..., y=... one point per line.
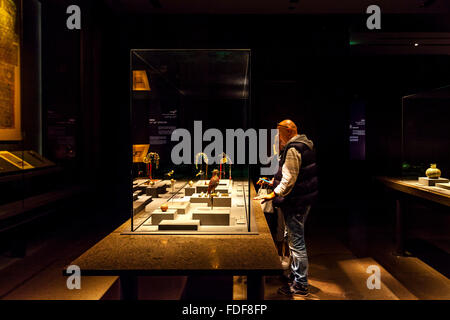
x=172, y=225
x=158, y=215
x=443, y=185
x=189, y=191
x=431, y=181
x=181, y=207
x=214, y=217
x=140, y=203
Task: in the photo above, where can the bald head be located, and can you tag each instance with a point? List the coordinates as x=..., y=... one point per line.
x=288, y=124
x=287, y=130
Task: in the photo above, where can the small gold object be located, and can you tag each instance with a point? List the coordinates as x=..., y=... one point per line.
x=170, y=173
x=433, y=172
x=152, y=157
x=15, y=160
x=198, y=155
x=139, y=152
x=205, y=159
x=191, y=183
x=225, y=160
x=164, y=207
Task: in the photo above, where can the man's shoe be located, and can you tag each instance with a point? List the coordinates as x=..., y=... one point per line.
x=285, y=290
x=299, y=290
x=295, y=290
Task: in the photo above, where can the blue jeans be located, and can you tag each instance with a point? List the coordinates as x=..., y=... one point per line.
x=295, y=229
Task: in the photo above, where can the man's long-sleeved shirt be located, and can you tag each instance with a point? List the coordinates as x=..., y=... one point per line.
x=290, y=171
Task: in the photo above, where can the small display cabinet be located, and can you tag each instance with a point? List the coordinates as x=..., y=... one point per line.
x=189, y=90
x=426, y=138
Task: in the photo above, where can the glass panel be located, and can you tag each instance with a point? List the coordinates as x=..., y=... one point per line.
x=12, y=165
x=425, y=133
x=27, y=177
x=195, y=90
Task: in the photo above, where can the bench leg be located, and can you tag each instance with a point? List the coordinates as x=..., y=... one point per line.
x=399, y=229
x=255, y=287
x=128, y=287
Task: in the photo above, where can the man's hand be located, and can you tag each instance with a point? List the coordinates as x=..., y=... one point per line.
x=266, y=198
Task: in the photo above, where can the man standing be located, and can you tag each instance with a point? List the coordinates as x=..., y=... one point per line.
x=296, y=189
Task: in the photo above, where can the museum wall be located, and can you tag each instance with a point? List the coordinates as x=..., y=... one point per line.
x=303, y=68
x=76, y=97
x=206, y=32
x=61, y=88
x=300, y=70
x=71, y=91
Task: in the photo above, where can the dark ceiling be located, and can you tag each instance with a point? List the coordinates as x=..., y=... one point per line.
x=279, y=6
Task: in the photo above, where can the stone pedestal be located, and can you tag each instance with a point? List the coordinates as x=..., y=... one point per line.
x=218, y=201
x=140, y=203
x=195, y=198
x=443, y=185
x=221, y=202
x=157, y=189
x=201, y=188
x=215, y=217
x=158, y=216
x=181, y=207
x=189, y=191
x=431, y=182
x=174, y=225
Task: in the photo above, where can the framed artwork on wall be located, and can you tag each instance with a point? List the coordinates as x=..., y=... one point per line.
x=10, y=104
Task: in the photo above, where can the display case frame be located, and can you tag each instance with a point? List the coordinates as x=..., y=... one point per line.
x=142, y=223
x=424, y=134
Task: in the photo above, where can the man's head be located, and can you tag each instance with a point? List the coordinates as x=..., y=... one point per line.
x=286, y=131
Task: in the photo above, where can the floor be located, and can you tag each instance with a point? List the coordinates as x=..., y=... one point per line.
x=336, y=272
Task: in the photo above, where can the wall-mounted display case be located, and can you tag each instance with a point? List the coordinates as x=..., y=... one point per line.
x=425, y=134
x=25, y=170
x=191, y=90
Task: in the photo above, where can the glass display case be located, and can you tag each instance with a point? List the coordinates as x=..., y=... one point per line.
x=23, y=168
x=12, y=162
x=31, y=181
x=194, y=91
x=426, y=138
